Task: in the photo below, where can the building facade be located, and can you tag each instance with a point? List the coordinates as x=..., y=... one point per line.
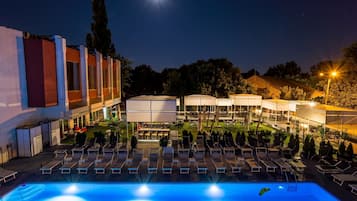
x=44, y=79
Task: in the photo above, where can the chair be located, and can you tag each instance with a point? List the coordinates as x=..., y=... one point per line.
x=167, y=160
x=85, y=163
x=183, y=156
x=70, y=162
x=119, y=161
x=135, y=162
x=341, y=178
x=353, y=188
x=101, y=164
x=339, y=167
x=216, y=157
x=153, y=162
x=199, y=156
x=56, y=161
x=231, y=159
x=282, y=163
x=262, y=157
x=249, y=159
x=7, y=175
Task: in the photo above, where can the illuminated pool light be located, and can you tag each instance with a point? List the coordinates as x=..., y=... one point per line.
x=66, y=198
x=143, y=191
x=214, y=191
x=280, y=187
x=72, y=189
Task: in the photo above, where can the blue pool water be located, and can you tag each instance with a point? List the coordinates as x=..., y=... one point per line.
x=169, y=191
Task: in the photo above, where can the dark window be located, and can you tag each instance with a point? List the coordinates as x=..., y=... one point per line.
x=105, y=77
x=73, y=78
x=92, y=77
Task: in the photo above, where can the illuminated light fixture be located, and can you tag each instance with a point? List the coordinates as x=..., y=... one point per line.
x=312, y=103
x=334, y=73
x=143, y=191
x=280, y=187
x=72, y=189
x=214, y=191
x=66, y=198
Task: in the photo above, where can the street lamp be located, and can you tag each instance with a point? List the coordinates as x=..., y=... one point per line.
x=331, y=75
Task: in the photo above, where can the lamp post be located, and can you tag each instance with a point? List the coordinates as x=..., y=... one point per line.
x=331, y=75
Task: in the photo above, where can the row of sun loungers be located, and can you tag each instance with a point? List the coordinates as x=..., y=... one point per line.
x=223, y=160
x=338, y=172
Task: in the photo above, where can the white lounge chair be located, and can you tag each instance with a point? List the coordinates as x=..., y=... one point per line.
x=183, y=156
x=216, y=157
x=200, y=162
x=107, y=159
x=85, y=163
x=167, y=160
x=56, y=161
x=153, y=162
x=339, y=167
x=7, y=175
x=135, y=162
x=119, y=162
x=262, y=156
x=282, y=163
x=249, y=159
x=233, y=162
x=342, y=178
x=71, y=161
x=353, y=188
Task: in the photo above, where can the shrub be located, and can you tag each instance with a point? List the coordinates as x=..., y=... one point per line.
x=349, y=152
x=341, y=149
x=164, y=141
x=133, y=142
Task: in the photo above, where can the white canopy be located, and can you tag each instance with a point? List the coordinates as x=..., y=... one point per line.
x=246, y=99
x=224, y=102
x=151, y=109
x=279, y=105
x=199, y=100
x=327, y=114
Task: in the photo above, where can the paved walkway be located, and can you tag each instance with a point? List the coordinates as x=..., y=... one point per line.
x=28, y=169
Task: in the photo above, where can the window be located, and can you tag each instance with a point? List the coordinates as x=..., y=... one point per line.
x=92, y=77
x=73, y=76
x=105, y=77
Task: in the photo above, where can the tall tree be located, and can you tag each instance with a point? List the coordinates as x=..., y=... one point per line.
x=350, y=56
x=288, y=70
x=145, y=81
x=100, y=38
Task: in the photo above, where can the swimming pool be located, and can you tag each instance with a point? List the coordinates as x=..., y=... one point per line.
x=169, y=191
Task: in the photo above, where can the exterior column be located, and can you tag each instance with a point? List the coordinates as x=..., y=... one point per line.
x=110, y=77
x=84, y=73
x=99, y=74
x=61, y=66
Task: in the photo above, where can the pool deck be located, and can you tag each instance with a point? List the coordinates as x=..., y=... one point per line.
x=28, y=171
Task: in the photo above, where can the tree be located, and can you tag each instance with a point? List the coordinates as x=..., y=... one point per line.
x=100, y=37
x=292, y=93
x=288, y=70
x=350, y=56
x=126, y=76
x=145, y=81
x=216, y=77
x=250, y=73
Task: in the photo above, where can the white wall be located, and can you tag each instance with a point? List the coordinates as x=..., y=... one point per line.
x=13, y=98
x=151, y=110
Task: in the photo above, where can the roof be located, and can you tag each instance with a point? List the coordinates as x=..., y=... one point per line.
x=249, y=95
x=332, y=108
x=153, y=98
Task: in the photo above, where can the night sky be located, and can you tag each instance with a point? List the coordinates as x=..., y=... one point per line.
x=169, y=33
